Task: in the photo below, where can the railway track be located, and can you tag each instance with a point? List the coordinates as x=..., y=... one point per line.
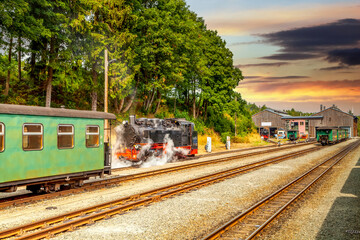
x=49, y=227
x=252, y=221
x=224, y=152
x=28, y=198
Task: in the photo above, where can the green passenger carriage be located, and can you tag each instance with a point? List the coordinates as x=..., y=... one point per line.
x=328, y=135
x=47, y=148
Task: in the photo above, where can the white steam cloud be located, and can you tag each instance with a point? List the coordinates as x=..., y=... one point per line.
x=170, y=154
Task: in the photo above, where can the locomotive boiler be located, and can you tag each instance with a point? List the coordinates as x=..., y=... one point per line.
x=142, y=138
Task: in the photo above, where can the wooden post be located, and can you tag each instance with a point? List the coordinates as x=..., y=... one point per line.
x=235, y=116
x=106, y=130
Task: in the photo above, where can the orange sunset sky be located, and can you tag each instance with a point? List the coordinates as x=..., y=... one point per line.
x=293, y=54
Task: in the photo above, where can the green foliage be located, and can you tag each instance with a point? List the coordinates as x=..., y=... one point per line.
x=200, y=126
x=163, y=60
x=293, y=112
x=224, y=136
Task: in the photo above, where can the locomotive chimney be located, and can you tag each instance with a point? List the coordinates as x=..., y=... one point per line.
x=132, y=119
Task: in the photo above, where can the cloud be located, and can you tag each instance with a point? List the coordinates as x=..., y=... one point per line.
x=275, y=64
x=290, y=56
x=334, y=68
x=332, y=40
x=346, y=56
x=234, y=20
x=305, y=91
x=286, y=77
x=245, y=43
x=341, y=33
x=270, y=79
x=252, y=77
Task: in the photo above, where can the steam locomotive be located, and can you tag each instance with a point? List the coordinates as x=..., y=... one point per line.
x=142, y=138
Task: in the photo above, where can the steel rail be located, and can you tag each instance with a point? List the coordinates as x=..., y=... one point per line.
x=77, y=218
x=244, y=222
x=124, y=178
x=229, y=152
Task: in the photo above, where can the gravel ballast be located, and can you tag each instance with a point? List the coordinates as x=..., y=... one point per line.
x=191, y=215
x=331, y=210
x=187, y=216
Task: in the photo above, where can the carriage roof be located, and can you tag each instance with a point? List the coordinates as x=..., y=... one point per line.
x=53, y=112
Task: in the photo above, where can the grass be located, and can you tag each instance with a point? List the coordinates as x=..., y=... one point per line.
x=251, y=140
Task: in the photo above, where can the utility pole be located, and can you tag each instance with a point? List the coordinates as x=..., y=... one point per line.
x=235, y=116
x=106, y=133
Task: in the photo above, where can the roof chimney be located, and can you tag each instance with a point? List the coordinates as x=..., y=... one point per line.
x=321, y=107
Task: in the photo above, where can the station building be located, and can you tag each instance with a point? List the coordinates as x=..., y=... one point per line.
x=306, y=125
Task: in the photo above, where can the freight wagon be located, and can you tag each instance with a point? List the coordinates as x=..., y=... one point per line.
x=48, y=148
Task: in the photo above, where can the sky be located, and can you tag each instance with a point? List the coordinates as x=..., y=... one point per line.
x=293, y=54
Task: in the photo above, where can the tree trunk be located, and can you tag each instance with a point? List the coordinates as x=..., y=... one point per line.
x=50, y=73
x=158, y=104
x=32, y=63
x=7, y=83
x=175, y=100
x=151, y=99
x=117, y=106
x=130, y=102
x=194, y=101
x=94, y=94
x=194, y=107
x=198, y=108
x=205, y=110
x=19, y=57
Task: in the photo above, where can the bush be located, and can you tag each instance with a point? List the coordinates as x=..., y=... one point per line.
x=224, y=135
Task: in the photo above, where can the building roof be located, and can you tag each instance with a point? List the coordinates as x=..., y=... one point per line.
x=336, y=109
x=53, y=112
x=302, y=117
x=277, y=112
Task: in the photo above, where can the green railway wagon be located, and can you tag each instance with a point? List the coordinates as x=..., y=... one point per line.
x=328, y=135
x=293, y=135
x=47, y=148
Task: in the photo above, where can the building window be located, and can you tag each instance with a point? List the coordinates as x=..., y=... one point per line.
x=306, y=125
x=32, y=136
x=65, y=136
x=2, y=137
x=92, y=136
x=329, y=119
x=301, y=123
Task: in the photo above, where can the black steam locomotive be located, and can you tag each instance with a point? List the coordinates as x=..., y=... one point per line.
x=141, y=138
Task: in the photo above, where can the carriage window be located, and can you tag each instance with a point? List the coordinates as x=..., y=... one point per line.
x=2, y=137
x=92, y=136
x=32, y=136
x=65, y=136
